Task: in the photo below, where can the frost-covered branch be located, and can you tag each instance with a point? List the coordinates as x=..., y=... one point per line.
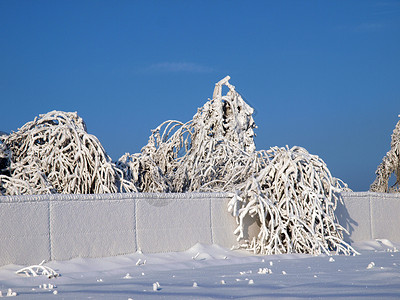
x=390, y=164
x=37, y=270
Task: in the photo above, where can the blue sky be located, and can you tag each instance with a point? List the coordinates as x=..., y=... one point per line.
x=324, y=75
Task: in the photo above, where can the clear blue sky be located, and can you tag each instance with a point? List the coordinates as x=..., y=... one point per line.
x=324, y=75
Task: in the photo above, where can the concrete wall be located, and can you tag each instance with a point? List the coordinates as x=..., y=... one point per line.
x=369, y=216
x=61, y=227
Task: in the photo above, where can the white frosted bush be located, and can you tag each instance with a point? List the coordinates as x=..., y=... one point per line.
x=202, y=154
x=293, y=198
x=390, y=164
x=54, y=154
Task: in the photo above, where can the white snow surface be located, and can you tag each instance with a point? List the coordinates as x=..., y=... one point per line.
x=213, y=272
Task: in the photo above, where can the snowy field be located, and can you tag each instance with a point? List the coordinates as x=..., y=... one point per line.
x=213, y=272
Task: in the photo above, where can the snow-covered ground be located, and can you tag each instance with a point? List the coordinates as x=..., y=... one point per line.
x=213, y=272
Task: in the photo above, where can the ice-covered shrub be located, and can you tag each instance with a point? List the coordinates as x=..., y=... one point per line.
x=55, y=154
x=200, y=155
x=390, y=164
x=294, y=198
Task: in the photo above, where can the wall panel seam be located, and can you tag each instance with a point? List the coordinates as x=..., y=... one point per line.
x=50, y=235
x=211, y=222
x=370, y=218
x=136, y=225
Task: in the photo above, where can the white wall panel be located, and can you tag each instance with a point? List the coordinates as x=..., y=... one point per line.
x=60, y=227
